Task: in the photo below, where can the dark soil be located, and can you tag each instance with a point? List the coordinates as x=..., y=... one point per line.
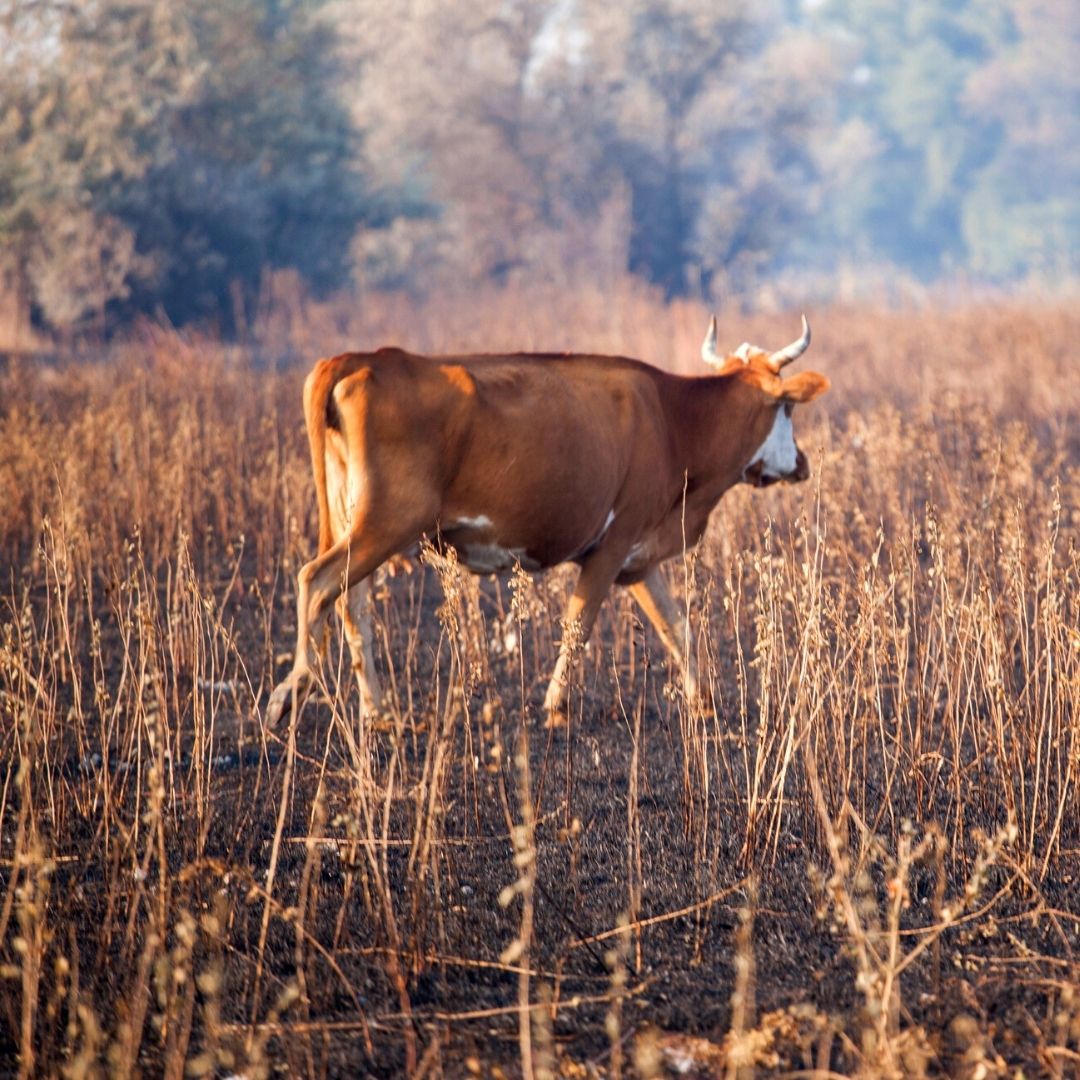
x=652, y=847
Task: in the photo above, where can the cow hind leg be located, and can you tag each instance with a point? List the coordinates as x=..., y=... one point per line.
x=356, y=622
x=355, y=605
x=320, y=584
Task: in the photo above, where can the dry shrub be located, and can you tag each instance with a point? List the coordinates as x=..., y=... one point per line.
x=892, y=650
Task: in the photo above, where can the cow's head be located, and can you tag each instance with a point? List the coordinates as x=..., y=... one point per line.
x=777, y=456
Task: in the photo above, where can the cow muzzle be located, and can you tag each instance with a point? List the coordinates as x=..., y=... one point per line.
x=802, y=468
x=755, y=474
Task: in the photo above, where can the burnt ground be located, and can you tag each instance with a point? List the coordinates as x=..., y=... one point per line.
x=411, y=940
x=681, y=969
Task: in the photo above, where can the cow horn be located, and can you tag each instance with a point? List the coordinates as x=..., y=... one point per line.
x=708, y=347
x=794, y=350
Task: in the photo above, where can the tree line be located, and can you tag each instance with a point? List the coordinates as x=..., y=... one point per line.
x=162, y=158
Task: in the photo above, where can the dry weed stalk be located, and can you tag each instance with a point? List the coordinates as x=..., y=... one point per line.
x=740, y=1043
x=524, y=847
x=873, y=925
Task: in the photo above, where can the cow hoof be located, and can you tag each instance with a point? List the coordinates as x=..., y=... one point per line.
x=556, y=718
x=700, y=702
x=281, y=700
x=382, y=720
x=377, y=707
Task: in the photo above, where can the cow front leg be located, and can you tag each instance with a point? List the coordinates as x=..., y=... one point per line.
x=596, y=578
x=669, y=621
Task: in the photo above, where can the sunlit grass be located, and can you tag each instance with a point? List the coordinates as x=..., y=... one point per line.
x=893, y=651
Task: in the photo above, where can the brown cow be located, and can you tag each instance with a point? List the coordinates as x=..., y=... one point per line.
x=532, y=460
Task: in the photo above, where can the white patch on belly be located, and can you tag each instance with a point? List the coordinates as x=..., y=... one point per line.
x=777, y=453
x=491, y=558
x=637, y=557
x=595, y=541
x=481, y=521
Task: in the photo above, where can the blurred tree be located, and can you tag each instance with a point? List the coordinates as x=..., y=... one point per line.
x=761, y=131
x=573, y=135
x=1023, y=214
x=659, y=63
x=155, y=154
x=492, y=129
x=905, y=68
x=162, y=156
x=64, y=154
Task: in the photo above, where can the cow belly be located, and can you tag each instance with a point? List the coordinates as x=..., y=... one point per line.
x=498, y=540
x=493, y=559
x=479, y=549
x=675, y=534
x=637, y=559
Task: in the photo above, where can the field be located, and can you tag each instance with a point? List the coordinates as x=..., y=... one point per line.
x=864, y=861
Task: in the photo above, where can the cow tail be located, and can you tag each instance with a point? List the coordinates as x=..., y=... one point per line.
x=318, y=387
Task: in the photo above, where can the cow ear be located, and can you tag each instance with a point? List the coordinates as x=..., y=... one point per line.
x=804, y=387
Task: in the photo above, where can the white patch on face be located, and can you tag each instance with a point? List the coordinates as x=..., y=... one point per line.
x=777, y=453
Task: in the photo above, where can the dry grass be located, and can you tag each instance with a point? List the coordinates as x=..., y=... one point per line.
x=864, y=862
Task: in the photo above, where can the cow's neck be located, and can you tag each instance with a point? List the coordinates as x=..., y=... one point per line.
x=717, y=433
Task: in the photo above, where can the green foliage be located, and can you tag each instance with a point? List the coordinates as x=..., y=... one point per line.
x=162, y=153
x=1023, y=214
x=675, y=54
x=262, y=169
x=162, y=157
x=906, y=68
x=974, y=105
